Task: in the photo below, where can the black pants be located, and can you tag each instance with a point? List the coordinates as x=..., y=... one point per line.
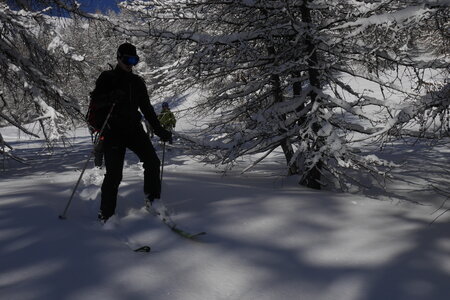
x=115, y=146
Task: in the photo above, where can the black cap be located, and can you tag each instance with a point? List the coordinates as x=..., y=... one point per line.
x=126, y=49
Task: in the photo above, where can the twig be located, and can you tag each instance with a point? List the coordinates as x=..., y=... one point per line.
x=448, y=209
x=440, y=207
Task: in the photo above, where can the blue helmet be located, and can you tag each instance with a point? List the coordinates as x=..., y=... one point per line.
x=165, y=105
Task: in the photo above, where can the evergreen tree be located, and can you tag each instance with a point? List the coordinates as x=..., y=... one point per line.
x=33, y=54
x=284, y=73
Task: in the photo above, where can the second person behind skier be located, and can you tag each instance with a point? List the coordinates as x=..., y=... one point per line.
x=167, y=119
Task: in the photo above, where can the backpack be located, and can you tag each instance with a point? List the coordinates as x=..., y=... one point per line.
x=96, y=114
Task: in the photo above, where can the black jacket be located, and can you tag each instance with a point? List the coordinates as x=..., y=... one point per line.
x=129, y=92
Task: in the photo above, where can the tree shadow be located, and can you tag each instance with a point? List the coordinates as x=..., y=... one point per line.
x=266, y=238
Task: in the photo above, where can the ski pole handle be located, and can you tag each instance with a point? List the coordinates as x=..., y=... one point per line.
x=105, y=123
x=162, y=160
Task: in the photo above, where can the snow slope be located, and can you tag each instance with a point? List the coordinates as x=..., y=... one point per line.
x=268, y=238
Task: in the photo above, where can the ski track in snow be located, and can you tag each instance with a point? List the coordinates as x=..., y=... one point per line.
x=268, y=238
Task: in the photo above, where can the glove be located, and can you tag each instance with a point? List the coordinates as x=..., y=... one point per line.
x=116, y=96
x=164, y=135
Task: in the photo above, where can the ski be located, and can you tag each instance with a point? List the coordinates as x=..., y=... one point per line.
x=142, y=249
x=186, y=234
x=167, y=220
x=121, y=238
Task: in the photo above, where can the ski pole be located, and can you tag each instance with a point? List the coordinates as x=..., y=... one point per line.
x=162, y=160
x=63, y=216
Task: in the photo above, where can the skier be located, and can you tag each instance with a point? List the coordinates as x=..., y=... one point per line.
x=125, y=92
x=167, y=119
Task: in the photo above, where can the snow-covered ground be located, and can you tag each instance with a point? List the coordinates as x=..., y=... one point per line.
x=267, y=237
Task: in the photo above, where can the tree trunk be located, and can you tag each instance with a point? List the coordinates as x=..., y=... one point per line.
x=278, y=97
x=312, y=179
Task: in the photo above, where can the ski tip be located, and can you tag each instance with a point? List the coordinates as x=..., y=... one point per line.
x=61, y=217
x=193, y=236
x=143, y=249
